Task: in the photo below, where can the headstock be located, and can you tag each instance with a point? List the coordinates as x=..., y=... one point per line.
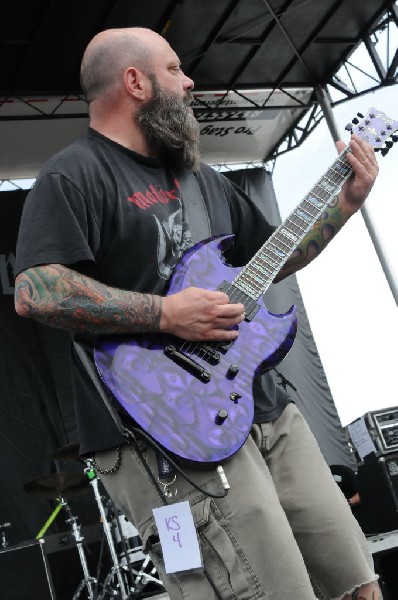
x=375, y=128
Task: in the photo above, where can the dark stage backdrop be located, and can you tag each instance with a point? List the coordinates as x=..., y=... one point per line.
x=36, y=403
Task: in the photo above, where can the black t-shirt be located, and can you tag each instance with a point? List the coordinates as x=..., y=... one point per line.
x=119, y=217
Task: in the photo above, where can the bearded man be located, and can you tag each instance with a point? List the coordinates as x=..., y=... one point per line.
x=107, y=221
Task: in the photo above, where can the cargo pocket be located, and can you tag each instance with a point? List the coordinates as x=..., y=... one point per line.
x=226, y=567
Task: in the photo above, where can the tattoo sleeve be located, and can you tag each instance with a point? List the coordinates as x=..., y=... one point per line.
x=60, y=297
x=322, y=232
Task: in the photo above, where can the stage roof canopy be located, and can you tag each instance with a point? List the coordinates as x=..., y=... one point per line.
x=256, y=65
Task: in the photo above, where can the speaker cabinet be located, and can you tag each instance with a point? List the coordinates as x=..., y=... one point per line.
x=25, y=573
x=378, y=489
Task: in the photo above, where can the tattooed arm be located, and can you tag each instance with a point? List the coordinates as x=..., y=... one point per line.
x=351, y=198
x=61, y=297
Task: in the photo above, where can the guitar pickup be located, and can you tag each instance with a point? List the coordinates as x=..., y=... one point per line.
x=187, y=363
x=208, y=353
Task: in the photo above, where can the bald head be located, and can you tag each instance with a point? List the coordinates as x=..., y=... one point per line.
x=108, y=55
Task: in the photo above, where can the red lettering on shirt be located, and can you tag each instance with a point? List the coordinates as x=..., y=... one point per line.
x=154, y=195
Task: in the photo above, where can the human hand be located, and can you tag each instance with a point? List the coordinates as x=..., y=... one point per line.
x=198, y=314
x=365, y=169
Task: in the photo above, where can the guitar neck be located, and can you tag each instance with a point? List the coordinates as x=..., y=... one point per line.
x=255, y=278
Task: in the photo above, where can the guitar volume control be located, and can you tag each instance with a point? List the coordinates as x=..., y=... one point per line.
x=232, y=372
x=221, y=416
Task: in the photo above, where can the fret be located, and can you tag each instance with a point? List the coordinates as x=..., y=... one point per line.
x=303, y=210
x=296, y=224
x=294, y=229
x=257, y=273
x=335, y=176
x=281, y=241
x=299, y=213
x=268, y=260
x=312, y=199
x=310, y=208
x=324, y=191
x=289, y=234
x=264, y=268
x=330, y=185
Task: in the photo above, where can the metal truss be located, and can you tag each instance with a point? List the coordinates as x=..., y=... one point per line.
x=379, y=52
x=372, y=65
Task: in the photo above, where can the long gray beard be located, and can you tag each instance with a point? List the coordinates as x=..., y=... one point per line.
x=171, y=129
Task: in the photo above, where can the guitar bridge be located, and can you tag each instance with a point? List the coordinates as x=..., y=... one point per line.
x=187, y=363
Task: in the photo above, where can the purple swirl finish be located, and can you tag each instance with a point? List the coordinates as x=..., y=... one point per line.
x=173, y=406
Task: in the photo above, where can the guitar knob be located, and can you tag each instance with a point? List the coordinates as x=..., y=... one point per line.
x=220, y=417
x=232, y=371
x=234, y=396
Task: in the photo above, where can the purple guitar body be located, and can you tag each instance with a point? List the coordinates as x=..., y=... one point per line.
x=195, y=400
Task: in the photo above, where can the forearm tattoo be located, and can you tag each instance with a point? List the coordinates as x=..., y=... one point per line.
x=322, y=232
x=63, y=298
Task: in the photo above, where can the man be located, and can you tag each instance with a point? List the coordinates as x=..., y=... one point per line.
x=102, y=230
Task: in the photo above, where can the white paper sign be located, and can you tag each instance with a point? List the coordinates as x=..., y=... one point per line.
x=178, y=537
x=361, y=438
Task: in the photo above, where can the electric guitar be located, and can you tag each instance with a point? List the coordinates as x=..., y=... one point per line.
x=195, y=399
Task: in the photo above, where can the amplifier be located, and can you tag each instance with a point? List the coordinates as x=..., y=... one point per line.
x=383, y=428
x=376, y=432
x=377, y=481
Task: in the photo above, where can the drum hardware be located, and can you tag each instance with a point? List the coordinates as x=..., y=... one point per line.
x=59, y=486
x=116, y=570
x=56, y=484
x=125, y=547
x=131, y=570
x=131, y=553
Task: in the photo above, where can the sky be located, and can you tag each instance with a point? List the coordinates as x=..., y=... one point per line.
x=350, y=306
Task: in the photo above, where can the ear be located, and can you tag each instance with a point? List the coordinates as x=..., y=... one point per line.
x=136, y=83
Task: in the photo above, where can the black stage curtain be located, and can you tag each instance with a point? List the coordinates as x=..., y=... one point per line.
x=36, y=403
x=36, y=408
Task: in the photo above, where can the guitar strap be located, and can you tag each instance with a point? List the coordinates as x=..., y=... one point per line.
x=194, y=206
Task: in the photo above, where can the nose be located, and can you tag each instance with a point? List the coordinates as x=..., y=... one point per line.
x=188, y=83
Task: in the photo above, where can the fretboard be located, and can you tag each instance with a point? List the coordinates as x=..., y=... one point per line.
x=255, y=278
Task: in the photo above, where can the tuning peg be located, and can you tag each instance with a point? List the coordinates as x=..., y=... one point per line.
x=384, y=151
x=389, y=144
x=394, y=138
x=377, y=149
x=355, y=121
x=348, y=127
x=360, y=115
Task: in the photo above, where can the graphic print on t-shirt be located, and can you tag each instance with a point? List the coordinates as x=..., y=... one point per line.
x=174, y=238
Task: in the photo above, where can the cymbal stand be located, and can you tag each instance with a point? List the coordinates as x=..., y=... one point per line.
x=136, y=561
x=87, y=581
x=116, y=569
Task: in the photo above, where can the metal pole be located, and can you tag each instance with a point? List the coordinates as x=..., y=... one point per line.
x=325, y=105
